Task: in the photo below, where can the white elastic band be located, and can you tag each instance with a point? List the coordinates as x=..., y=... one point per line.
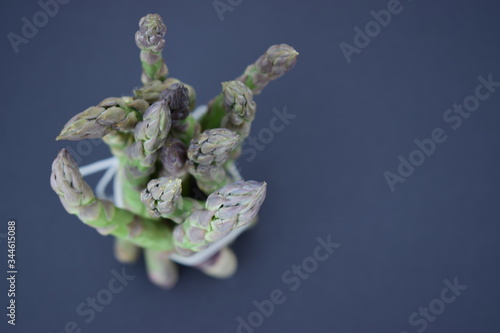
x=117, y=193
x=199, y=112
x=97, y=166
x=100, y=189
x=111, y=167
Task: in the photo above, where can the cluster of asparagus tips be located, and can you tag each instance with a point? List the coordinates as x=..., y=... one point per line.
x=175, y=171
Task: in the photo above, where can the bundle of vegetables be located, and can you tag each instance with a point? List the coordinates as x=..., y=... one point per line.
x=167, y=157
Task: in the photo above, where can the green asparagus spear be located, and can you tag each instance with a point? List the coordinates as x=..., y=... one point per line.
x=112, y=114
x=125, y=251
x=278, y=60
x=78, y=198
x=162, y=197
x=221, y=265
x=240, y=111
x=161, y=270
x=212, y=146
x=231, y=207
x=150, y=135
x=207, y=153
x=150, y=40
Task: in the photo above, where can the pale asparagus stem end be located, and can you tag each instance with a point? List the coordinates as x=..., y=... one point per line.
x=125, y=251
x=161, y=270
x=222, y=265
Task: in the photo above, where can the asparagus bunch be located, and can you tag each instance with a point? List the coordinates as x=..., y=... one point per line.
x=166, y=156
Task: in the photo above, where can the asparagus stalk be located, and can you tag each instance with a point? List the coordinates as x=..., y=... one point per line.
x=221, y=265
x=112, y=114
x=112, y=119
x=150, y=135
x=273, y=64
x=231, y=207
x=125, y=251
x=118, y=143
x=161, y=270
x=206, y=156
x=150, y=40
x=240, y=111
x=78, y=198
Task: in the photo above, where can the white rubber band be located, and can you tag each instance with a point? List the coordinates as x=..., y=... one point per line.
x=199, y=112
x=97, y=166
x=100, y=189
x=117, y=193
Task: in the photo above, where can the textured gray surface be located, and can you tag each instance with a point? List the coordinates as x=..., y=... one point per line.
x=324, y=169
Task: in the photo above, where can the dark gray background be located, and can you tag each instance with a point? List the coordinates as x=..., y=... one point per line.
x=324, y=171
